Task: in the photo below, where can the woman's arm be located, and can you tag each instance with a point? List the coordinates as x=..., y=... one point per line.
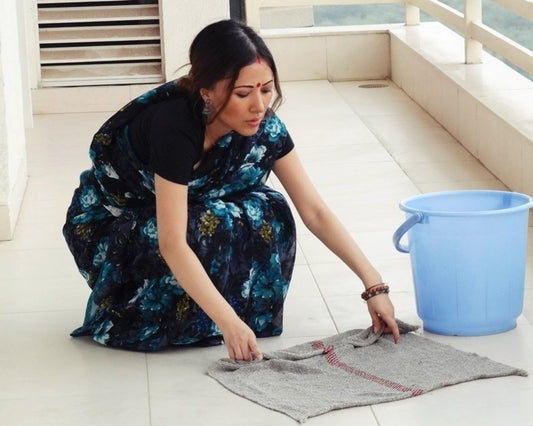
x=171, y=207
x=321, y=221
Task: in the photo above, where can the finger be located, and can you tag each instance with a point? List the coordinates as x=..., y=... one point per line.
x=239, y=356
x=247, y=355
x=396, y=333
x=242, y=352
x=394, y=329
x=256, y=352
x=376, y=322
x=253, y=352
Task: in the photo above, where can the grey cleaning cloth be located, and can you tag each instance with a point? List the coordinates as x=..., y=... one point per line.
x=355, y=368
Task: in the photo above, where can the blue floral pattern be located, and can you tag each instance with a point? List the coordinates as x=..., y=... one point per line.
x=241, y=230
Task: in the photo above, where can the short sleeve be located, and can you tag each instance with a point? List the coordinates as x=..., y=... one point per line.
x=287, y=146
x=276, y=132
x=170, y=139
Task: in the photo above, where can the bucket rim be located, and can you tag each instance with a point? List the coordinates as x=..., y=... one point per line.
x=528, y=203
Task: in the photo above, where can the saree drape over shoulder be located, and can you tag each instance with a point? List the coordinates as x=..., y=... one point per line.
x=241, y=230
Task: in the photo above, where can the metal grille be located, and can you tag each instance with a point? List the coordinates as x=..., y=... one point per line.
x=99, y=42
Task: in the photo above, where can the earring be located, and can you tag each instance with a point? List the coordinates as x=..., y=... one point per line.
x=207, y=107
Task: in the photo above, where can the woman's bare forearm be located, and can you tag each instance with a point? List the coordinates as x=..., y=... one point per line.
x=328, y=229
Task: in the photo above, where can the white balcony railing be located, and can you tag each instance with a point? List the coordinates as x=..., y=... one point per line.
x=469, y=23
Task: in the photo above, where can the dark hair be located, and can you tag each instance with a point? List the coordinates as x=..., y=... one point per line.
x=219, y=52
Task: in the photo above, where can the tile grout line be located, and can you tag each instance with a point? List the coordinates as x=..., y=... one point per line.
x=148, y=390
x=330, y=313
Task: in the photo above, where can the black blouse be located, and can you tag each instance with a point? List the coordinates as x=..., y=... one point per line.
x=168, y=137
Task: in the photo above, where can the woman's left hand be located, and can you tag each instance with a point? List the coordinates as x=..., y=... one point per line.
x=382, y=313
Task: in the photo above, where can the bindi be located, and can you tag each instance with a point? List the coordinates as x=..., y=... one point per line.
x=258, y=85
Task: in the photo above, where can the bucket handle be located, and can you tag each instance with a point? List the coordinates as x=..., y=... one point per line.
x=415, y=218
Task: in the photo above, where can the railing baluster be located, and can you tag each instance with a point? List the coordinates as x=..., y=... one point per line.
x=412, y=14
x=473, y=48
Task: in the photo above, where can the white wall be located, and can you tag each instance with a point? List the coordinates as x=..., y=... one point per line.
x=180, y=22
x=12, y=137
x=321, y=53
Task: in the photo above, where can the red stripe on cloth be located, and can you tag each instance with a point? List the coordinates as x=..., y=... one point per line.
x=332, y=359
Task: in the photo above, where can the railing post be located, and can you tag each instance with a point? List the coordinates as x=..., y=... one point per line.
x=473, y=48
x=253, y=14
x=412, y=14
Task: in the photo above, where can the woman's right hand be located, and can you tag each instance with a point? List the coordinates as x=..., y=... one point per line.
x=240, y=341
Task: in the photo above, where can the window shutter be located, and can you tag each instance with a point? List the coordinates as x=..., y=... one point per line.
x=99, y=42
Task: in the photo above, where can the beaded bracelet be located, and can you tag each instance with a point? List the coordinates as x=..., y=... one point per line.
x=373, y=288
x=374, y=291
x=377, y=293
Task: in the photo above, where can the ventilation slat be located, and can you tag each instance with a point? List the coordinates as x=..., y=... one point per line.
x=99, y=42
x=83, y=15
x=67, y=2
x=89, y=75
x=92, y=54
x=100, y=34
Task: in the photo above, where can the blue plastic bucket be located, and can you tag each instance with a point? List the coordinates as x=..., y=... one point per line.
x=468, y=259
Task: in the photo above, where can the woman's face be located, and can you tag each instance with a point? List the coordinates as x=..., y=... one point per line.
x=247, y=103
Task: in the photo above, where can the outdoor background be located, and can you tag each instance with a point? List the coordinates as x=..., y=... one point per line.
x=495, y=16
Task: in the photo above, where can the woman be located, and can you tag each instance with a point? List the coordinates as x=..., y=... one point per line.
x=173, y=227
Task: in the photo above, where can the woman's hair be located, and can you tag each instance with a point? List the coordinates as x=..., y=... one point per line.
x=219, y=52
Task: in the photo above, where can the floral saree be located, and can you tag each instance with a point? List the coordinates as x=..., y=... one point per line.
x=241, y=230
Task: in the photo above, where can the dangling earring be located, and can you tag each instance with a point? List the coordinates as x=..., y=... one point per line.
x=207, y=107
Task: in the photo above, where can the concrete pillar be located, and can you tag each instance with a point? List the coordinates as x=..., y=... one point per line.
x=13, y=173
x=180, y=21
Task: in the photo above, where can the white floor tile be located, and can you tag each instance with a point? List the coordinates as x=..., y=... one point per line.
x=491, y=402
x=37, y=264
x=42, y=361
x=46, y=294
x=102, y=409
